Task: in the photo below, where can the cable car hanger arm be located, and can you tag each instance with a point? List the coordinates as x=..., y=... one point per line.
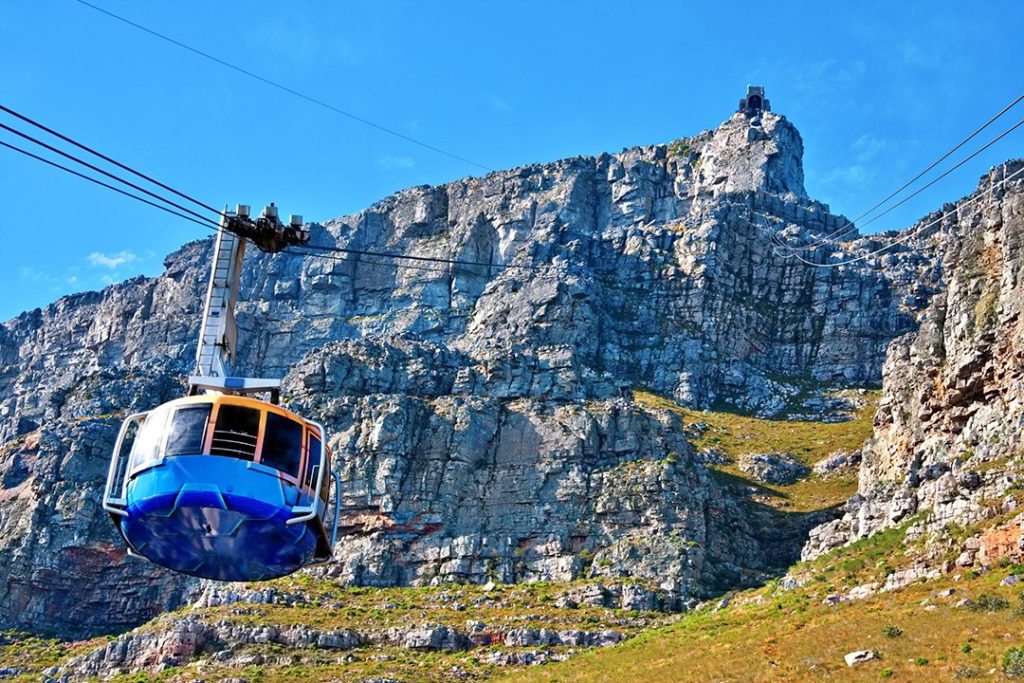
x=218, y=334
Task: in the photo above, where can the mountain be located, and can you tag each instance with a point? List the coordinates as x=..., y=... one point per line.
x=950, y=426
x=484, y=416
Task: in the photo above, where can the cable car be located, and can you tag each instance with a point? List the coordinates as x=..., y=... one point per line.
x=219, y=484
x=224, y=487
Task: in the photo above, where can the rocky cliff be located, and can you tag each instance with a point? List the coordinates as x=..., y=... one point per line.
x=481, y=414
x=949, y=433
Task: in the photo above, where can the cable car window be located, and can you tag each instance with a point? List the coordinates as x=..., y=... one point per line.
x=236, y=432
x=282, y=444
x=188, y=430
x=313, y=461
x=326, y=485
x=146, y=448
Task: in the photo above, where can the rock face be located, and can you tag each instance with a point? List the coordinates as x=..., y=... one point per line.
x=950, y=425
x=773, y=468
x=480, y=414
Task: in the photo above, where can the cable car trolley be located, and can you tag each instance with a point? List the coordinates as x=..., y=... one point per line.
x=220, y=484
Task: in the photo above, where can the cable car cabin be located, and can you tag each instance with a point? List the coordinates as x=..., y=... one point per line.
x=223, y=487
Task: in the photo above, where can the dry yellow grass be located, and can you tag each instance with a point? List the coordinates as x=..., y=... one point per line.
x=792, y=636
x=733, y=435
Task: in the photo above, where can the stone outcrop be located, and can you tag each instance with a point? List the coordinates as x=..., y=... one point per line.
x=773, y=468
x=480, y=414
x=949, y=431
x=179, y=641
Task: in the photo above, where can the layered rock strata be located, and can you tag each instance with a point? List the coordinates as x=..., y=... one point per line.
x=949, y=433
x=480, y=413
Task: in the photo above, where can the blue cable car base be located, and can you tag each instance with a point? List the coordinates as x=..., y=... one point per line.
x=178, y=517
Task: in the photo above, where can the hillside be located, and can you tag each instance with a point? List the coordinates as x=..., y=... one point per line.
x=314, y=626
x=631, y=426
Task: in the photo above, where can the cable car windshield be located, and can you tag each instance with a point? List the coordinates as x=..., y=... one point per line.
x=146, y=448
x=282, y=444
x=188, y=430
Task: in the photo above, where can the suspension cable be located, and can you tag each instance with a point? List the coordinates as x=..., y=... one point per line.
x=108, y=174
x=285, y=88
x=120, y=165
x=912, y=232
x=850, y=224
x=103, y=184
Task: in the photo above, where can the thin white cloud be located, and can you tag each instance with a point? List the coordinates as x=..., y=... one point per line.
x=868, y=147
x=393, y=162
x=499, y=104
x=98, y=258
x=846, y=176
x=35, y=277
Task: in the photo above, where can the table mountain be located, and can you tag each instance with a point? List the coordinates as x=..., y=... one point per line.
x=481, y=412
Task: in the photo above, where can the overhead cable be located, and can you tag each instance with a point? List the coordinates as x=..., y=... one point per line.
x=432, y=259
x=285, y=88
x=108, y=174
x=120, y=165
x=850, y=224
x=213, y=225
x=936, y=179
x=912, y=232
x=103, y=184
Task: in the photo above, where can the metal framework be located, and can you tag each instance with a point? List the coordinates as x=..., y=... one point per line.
x=218, y=335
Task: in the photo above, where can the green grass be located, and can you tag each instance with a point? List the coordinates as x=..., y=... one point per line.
x=32, y=655
x=733, y=435
x=330, y=605
x=770, y=635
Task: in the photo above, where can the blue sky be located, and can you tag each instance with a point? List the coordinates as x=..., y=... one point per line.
x=877, y=89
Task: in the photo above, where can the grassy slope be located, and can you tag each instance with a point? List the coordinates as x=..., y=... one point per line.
x=733, y=435
x=329, y=605
x=773, y=635
x=701, y=643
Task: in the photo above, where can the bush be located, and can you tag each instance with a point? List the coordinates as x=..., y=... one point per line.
x=886, y=673
x=1013, y=662
x=988, y=603
x=966, y=648
x=891, y=631
x=921, y=661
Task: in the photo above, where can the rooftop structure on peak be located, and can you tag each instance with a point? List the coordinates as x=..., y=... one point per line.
x=755, y=102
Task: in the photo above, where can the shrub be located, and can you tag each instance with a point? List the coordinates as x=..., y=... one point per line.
x=988, y=603
x=1013, y=662
x=886, y=673
x=891, y=631
x=921, y=661
x=966, y=648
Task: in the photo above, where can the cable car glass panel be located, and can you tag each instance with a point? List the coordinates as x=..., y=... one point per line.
x=187, y=431
x=312, y=461
x=236, y=432
x=282, y=444
x=146, y=448
x=325, y=487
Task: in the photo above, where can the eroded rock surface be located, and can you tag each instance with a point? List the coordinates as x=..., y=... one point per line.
x=773, y=468
x=949, y=432
x=480, y=413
